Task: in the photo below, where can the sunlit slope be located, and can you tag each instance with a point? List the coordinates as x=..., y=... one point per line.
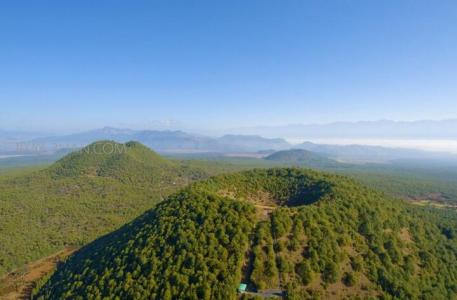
x=82, y=196
x=302, y=233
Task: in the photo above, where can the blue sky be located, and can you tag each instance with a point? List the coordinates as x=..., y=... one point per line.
x=68, y=65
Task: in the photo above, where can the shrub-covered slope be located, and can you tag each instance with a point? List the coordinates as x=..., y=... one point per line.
x=303, y=233
x=82, y=196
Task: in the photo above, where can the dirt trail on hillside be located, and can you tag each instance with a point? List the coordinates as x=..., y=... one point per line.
x=19, y=284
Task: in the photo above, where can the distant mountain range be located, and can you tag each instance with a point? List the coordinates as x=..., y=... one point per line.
x=10, y=139
x=163, y=141
x=383, y=129
x=179, y=142
x=374, y=154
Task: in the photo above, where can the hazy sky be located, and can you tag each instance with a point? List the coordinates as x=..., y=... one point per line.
x=84, y=64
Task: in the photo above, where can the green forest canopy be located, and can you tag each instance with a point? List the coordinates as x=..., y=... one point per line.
x=326, y=236
x=84, y=195
x=101, y=187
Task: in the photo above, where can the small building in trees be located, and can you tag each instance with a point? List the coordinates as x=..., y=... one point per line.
x=242, y=287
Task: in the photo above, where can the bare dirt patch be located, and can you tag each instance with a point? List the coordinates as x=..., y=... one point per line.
x=405, y=236
x=20, y=283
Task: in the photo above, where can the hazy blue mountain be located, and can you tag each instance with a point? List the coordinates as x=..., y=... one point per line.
x=176, y=141
x=384, y=129
x=84, y=138
x=10, y=140
x=253, y=142
x=364, y=153
x=163, y=141
x=168, y=141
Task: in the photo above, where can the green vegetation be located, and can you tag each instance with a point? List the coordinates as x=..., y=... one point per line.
x=189, y=247
x=326, y=236
x=265, y=272
x=97, y=189
x=28, y=161
x=399, y=180
x=414, y=184
x=303, y=158
x=19, y=171
x=436, y=183
x=86, y=194
x=83, y=196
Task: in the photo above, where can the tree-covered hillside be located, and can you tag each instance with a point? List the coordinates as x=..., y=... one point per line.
x=300, y=157
x=305, y=234
x=82, y=196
